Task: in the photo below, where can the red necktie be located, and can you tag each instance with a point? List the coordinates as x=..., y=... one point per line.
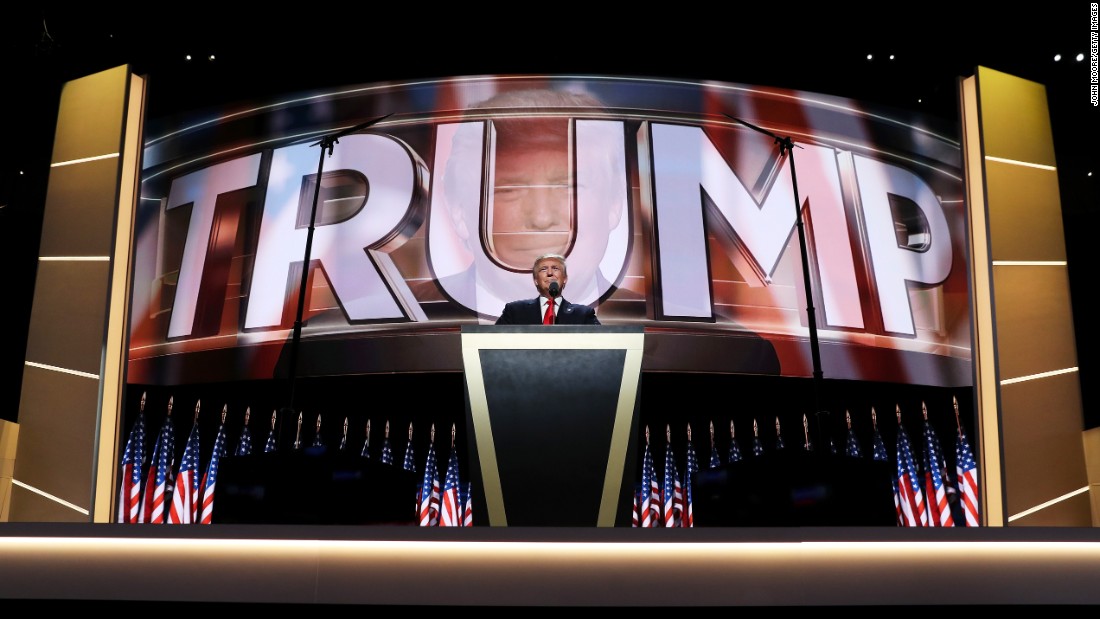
x=548, y=318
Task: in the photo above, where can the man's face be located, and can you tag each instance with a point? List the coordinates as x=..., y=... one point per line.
x=532, y=210
x=546, y=271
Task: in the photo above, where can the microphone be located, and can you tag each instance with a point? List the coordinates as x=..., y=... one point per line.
x=555, y=290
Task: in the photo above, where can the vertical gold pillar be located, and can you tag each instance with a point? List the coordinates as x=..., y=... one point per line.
x=74, y=369
x=1028, y=391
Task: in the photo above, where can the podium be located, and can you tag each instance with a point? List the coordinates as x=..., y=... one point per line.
x=551, y=413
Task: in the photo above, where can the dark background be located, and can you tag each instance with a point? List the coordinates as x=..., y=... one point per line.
x=268, y=50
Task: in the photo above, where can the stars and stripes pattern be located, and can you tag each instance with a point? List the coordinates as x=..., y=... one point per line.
x=671, y=492
x=690, y=468
x=244, y=443
x=650, y=510
x=878, y=452
x=910, y=498
x=210, y=477
x=735, y=449
x=851, y=447
x=715, y=459
x=158, y=483
x=410, y=454
x=133, y=460
x=468, y=506
x=271, y=445
x=387, y=451
x=185, y=499
x=450, y=511
x=966, y=471
x=365, y=451
x=935, y=486
x=429, y=491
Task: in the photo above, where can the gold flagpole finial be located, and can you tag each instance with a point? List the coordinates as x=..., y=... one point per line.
x=453, y=432
x=298, y=433
x=345, y=428
x=273, y=413
x=317, y=426
x=247, y=414
x=924, y=410
x=143, y=401
x=755, y=428
x=647, y=435
x=198, y=404
x=171, y=399
x=874, y=418
x=848, y=419
x=387, y=434
x=410, y=431
x=668, y=434
x=368, y=429
x=897, y=409
x=225, y=411
x=431, y=436
x=689, y=432
x=732, y=434
x=777, y=425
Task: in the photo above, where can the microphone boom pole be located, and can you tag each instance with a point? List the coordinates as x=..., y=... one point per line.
x=786, y=147
x=327, y=143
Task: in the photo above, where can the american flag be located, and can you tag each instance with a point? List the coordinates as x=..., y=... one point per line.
x=878, y=452
x=468, y=506
x=715, y=460
x=129, y=497
x=429, y=491
x=935, y=486
x=450, y=503
x=910, y=503
x=365, y=452
x=244, y=444
x=635, y=518
x=757, y=446
x=210, y=477
x=410, y=454
x=651, y=496
x=271, y=445
x=689, y=470
x=387, y=452
x=158, y=483
x=966, y=470
x=852, y=446
x=672, y=496
x=185, y=500
x=735, y=449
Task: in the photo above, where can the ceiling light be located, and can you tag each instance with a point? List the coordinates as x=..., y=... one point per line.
x=1080, y=57
x=1057, y=57
x=211, y=57
x=868, y=56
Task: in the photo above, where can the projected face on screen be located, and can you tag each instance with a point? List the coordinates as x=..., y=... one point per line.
x=555, y=184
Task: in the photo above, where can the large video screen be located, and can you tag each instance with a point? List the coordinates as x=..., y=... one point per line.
x=423, y=205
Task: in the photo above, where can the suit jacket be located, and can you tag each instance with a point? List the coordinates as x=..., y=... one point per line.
x=529, y=312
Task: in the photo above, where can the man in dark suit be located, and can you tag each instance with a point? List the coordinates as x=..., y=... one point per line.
x=549, y=307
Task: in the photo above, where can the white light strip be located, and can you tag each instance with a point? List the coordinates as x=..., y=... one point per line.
x=1028, y=512
x=51, y=497
x=1023, y=163
x=1009, y=381
x=74, y=258
x=54, y=368
x=84, y=160
x=1029, y=263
